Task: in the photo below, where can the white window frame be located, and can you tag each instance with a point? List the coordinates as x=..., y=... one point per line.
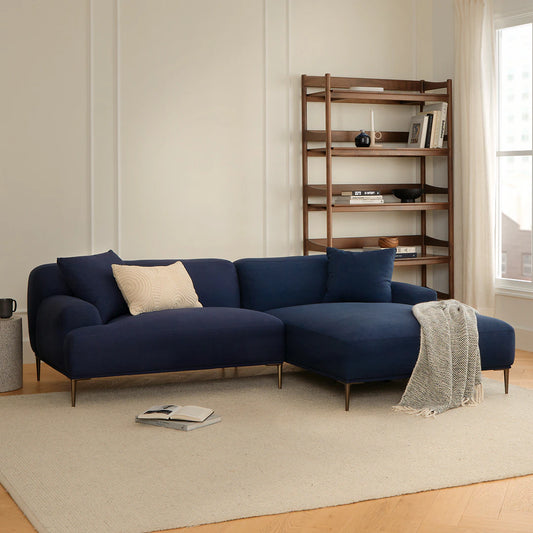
x=506, y=286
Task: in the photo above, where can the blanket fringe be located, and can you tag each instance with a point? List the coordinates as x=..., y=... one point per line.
x=426, y=412
x=477, y=396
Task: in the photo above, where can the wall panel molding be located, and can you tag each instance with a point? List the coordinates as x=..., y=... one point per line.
x=278, y=143
x=103, y=134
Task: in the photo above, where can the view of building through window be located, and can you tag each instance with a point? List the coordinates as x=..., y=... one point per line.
x=515, y=156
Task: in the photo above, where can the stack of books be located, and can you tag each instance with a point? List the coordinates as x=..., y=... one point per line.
x=405, y=251
x=402, y=252
x=427, y=128
x=184, y=418
x=358, y=197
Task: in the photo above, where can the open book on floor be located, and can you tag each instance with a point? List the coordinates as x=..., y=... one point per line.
x=183, y=425
x=190, y=413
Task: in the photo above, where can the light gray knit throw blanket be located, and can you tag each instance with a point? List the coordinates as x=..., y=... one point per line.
x=448, y=370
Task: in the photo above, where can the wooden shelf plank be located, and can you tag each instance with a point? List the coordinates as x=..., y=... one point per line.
x=319, y=245
x=422, y=260
x=372, y=97
x=349, y=136
x=394, y=206
x=344, y=243
x=384, y=188
x=343, y=82
x=340, y=151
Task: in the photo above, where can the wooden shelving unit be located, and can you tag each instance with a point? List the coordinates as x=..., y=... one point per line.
x=328, y=90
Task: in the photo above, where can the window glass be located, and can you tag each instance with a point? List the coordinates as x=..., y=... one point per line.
x=515, y=155
x=515, y=209
x=515, y=88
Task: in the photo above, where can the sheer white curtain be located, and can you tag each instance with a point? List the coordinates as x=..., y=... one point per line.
x=474, y=112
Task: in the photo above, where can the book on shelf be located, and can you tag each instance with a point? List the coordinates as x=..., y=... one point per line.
x=417, y=131
x=190, y=413
x=427, y=143
x=439, y=110
x=402, y=252
x=182, y=425
x=355, y=200
x=406, y=249
x=434, y=133
x=360, y=193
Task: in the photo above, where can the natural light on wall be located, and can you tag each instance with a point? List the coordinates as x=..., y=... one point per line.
x=515, y=155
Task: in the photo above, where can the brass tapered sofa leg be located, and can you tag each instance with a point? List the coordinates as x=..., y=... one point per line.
x=506, y=380
x=73, y=383
x=347, y=396
x=280, y=369
x=38, y=368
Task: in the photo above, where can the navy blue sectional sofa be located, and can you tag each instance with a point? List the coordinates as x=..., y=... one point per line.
x=255, y=312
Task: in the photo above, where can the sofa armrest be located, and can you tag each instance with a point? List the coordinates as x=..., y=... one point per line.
x=56, y=317
x=406, y=293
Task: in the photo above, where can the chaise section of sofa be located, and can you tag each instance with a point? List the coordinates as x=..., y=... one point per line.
x=350, y=341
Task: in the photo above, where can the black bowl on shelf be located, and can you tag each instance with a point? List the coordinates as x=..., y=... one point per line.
x=407, y=195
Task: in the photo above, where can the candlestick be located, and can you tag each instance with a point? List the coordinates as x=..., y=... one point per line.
x=372, y=120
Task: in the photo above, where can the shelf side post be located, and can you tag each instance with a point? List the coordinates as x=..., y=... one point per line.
x=329, y=186
x=423, y=220
x=451, y=285
x=305, y=179
x=423, y=217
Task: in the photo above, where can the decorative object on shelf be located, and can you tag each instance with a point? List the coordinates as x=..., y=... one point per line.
x=374, y=135
x=407, y=196
x=7, y=307
x=362, y=140
x=417, y=131
x=388, y=242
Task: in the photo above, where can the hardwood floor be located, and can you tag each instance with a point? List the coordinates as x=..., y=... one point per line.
x=504, y=506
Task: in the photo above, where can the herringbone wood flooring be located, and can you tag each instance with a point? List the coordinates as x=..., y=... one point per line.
x=504, y=506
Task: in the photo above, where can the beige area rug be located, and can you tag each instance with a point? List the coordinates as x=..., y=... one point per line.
x=92, y=469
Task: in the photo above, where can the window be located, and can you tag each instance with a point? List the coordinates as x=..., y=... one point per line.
x=515, y=153
x=526, y=265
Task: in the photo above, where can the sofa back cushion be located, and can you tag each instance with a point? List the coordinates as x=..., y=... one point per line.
x=90, y=278
x=272, y=282
x=359, y=276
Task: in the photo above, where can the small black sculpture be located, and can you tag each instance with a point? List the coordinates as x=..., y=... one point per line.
x=362, y=140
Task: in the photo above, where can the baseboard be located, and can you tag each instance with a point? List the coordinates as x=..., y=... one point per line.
x=27, y=353
x=524, y=339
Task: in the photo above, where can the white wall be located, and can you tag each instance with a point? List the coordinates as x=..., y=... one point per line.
x=171, y=128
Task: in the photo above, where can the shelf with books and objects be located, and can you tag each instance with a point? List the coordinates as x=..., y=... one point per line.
x=428, y=134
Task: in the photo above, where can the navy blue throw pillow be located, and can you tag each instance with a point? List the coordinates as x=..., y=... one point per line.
x=90, y=278
x=359, y=276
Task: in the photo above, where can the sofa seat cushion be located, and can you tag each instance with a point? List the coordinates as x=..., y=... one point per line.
x=177, y=339
x=353, y=342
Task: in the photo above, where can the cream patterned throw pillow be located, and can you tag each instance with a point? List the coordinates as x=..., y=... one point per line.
x=155, y=288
